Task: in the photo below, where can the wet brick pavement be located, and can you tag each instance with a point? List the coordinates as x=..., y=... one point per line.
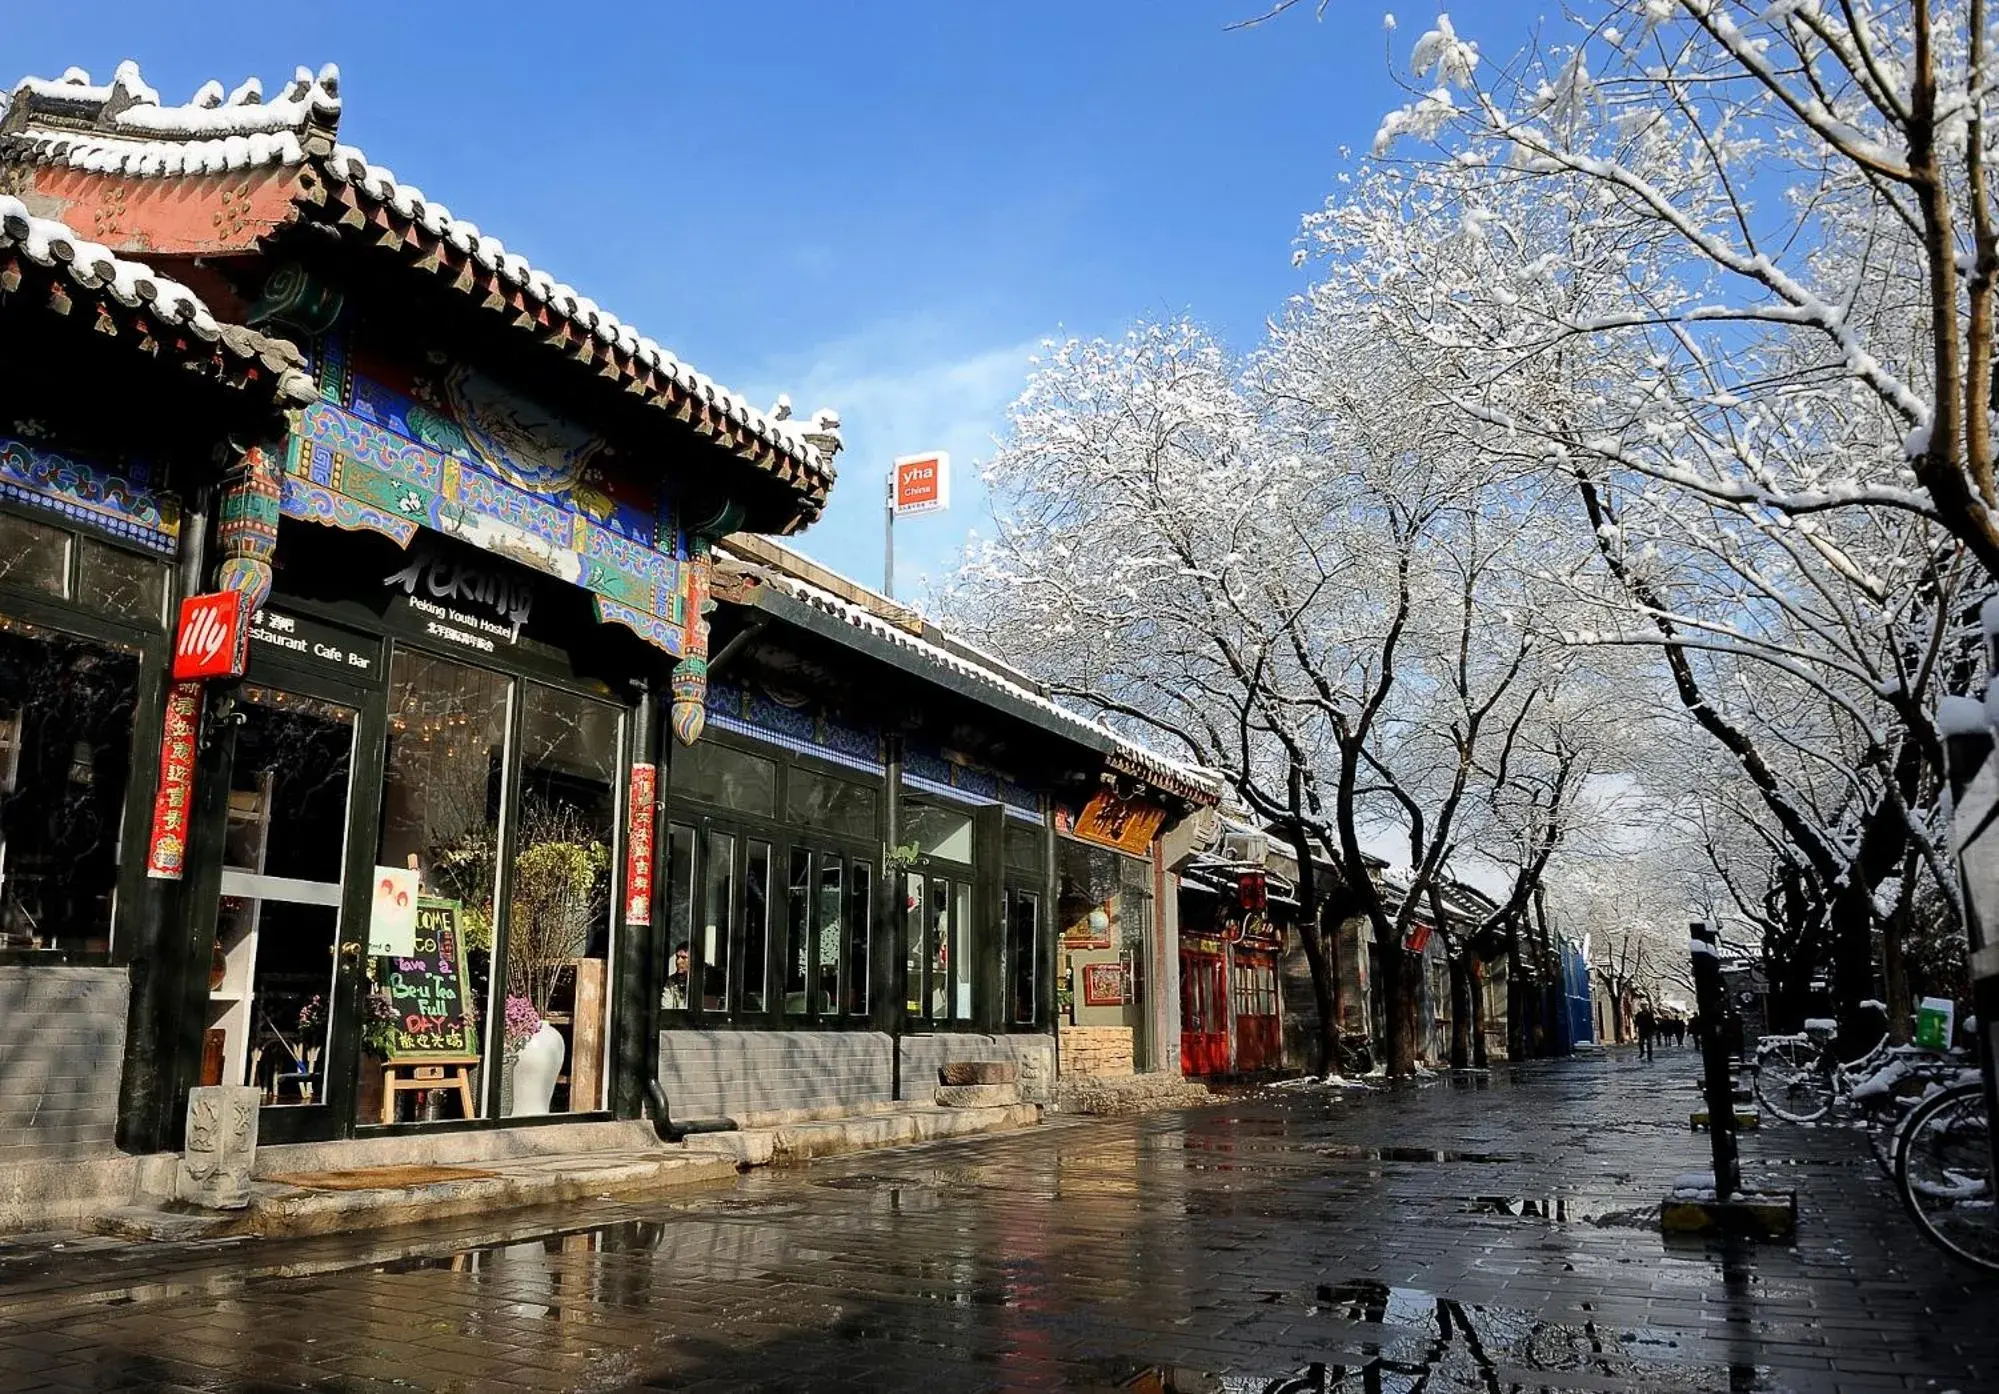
x=1479, y=1235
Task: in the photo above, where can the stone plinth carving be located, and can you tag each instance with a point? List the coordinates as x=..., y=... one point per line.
x=221, y=1145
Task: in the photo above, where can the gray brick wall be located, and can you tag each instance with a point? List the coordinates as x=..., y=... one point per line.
x=1034, y=1054
x=726, y=1074
x=62, y=1046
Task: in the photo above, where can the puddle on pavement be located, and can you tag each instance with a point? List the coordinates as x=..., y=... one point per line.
x=1384, y=1337
x=1563, y=1210
x=1349, y=1152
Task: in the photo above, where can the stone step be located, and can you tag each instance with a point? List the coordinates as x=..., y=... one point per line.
x=978, y=1095
x=979, y=1072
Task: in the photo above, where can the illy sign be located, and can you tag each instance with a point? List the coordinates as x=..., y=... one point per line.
x=212, y=641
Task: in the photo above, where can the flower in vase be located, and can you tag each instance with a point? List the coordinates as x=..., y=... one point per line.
x=522, y=1022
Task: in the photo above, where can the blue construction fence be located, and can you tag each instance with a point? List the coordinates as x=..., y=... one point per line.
x=1573, y=1023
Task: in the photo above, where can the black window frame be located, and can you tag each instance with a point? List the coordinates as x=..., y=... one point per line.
x=825, y=849
x=149, y=645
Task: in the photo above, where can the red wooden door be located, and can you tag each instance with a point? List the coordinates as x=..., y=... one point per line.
x=1259, y=1043
x=1204, y=1008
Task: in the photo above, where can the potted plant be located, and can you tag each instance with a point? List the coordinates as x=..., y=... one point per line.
x=378, y=1041
x=522, y=1024
x=560, y=879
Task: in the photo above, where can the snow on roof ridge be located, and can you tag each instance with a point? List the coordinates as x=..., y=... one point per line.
x=128, y=106
x=821, y=599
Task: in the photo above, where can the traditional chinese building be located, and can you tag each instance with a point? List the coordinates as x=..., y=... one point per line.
x=413, y=833
x=896, y=852
x=511, y=771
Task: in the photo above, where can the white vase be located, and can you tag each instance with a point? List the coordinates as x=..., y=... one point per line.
x=535, y=1068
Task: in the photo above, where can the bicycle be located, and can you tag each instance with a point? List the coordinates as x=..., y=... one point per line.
x=1800, y=1080
x=1943, y=1168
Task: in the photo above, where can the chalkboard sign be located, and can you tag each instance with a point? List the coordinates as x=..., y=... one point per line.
x=429, y=990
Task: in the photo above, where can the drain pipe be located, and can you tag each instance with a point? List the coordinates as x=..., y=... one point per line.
x=662, y=1117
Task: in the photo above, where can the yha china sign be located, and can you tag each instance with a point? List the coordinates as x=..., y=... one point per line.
x=212, y=640
x=920, y=484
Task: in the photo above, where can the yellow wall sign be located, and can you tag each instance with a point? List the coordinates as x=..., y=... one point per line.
x=1129, y=825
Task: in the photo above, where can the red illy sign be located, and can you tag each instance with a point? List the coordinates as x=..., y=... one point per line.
x=213, y=641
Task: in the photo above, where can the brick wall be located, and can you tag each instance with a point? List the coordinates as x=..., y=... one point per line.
x=725, y=1074
x=1096, y=1050
x=1034, y=1054
x=62, y=1047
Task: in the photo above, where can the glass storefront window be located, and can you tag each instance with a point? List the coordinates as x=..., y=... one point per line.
x=66, y=708
x=679, y=915
x=559, y=928
x=916, y=912
x=944, y=833
x=116, y=582
x=813, y=800
x=1023, y=948
x=731, y=779
x=798, y=933
x=717, y=909
x=756, y=925
x=1025, y=847
x=34, y=555
x=940, y=949
x=442, y=790
x=826, y=998
x=860, y=923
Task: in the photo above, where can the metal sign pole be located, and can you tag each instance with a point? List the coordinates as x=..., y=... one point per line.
x=1718, y=1080
x=888, y=539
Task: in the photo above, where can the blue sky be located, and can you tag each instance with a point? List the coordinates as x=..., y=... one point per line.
x=877, y=205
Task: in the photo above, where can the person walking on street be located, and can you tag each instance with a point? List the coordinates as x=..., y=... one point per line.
x=1647, y=1023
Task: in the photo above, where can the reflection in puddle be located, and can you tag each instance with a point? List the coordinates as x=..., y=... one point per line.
x=1392, y=1340
x=1350, y=1152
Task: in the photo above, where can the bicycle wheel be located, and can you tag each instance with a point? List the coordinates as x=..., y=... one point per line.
x=1944, y=1169
x=1791, y=1082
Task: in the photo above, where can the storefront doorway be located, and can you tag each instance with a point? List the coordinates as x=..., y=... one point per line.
x=1204, y=1023
x=274, y=1012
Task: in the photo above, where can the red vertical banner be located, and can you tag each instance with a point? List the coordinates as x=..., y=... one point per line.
x=166, y=851
x=638, y=844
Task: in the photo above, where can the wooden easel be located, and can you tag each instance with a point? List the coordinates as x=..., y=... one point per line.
x=428, y=1072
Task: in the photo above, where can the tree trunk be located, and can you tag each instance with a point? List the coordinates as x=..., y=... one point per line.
x=1321, y=949
x=1901, y=1001
x=1478, y=1053
x=1397, y=1008
x=1461, y=1008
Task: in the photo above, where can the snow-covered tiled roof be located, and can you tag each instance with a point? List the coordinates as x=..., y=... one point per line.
x=123, y=128
x=131, y=284
x=1188, y=781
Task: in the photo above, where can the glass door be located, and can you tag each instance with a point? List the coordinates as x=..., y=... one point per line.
x=271, y=1002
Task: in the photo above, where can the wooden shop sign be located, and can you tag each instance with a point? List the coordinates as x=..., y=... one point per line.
x=1128, y=825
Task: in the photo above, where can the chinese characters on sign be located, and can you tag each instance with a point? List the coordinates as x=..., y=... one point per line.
x=166, y=850
x=1126, y=824
x=638, y=845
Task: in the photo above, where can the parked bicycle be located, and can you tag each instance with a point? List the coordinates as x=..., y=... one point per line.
x=1800, y=1079
x=1943, y=1166
x=1926, y=1119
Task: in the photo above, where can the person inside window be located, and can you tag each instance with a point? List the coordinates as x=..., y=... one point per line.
x=674, y=996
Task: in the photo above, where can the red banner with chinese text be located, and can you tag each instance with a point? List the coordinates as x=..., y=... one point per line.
x=638, y=844
x=166, y=850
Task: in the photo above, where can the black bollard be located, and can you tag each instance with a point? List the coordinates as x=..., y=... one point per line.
x=1718, y=1078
